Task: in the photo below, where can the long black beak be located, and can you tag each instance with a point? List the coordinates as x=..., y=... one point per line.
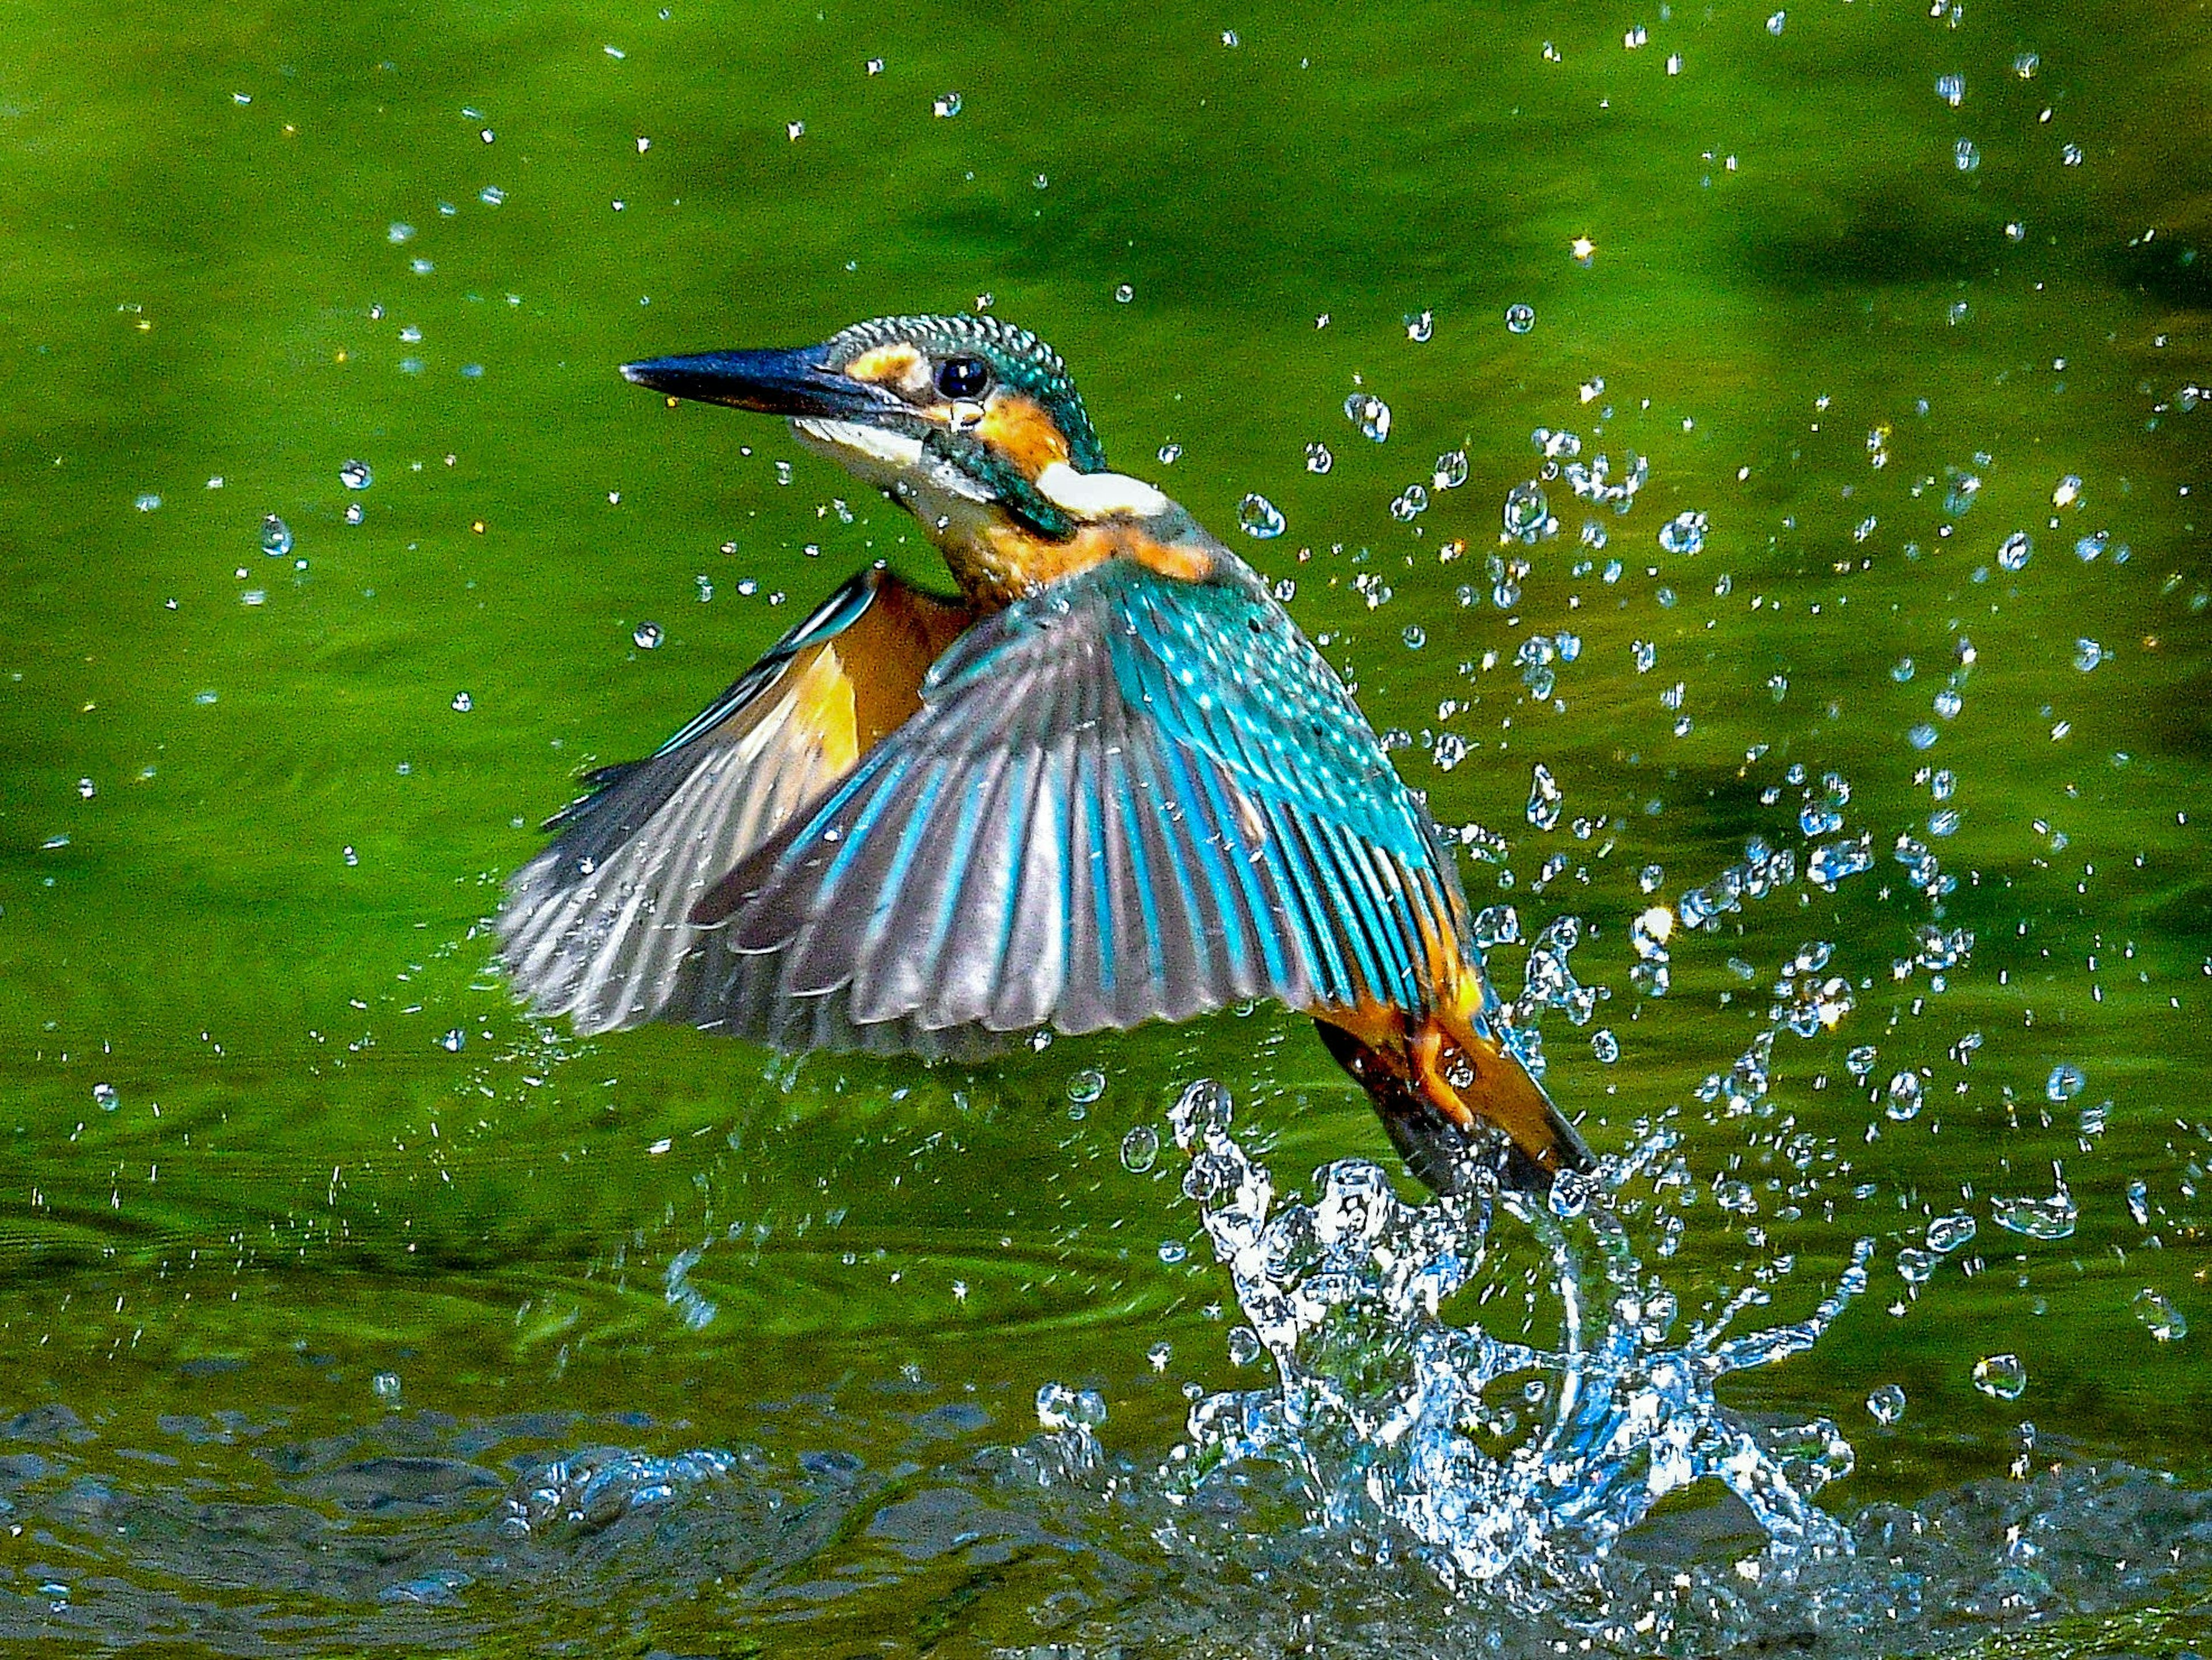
x=796, y=382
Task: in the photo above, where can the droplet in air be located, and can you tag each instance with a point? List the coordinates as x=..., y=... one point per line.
x=147, y=502
x=2013, y=552
x=454, y=1041
x=463, y=702
x=1260, y=519
x=1420, y=325
x=2065, y=1082
x=1124, y=293
x=355, y=476
x=1520, y=319
x=647, y=636
x=1169, y=454
x=1318, y=459
x=1139, y=1147
x=1684, y=533
x=1369, y=414
x=1450, y=470
x=1951, y=88
x=1885, y=1404
x=2067, y=491
x=1965, y=156
x=946, y=106
x=1903, y=1098
x=276, y=537
x=1774, y=24
x=1086, y=1086
x=2158, y=1316
x=1410, y=504
x=1605, y=1046
x=1546, y=801
x=105, y=1096
x=2001, y=1376
x=1526, y=512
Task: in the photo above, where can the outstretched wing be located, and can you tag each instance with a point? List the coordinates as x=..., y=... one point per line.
x=1125, y=797
x=595, y=926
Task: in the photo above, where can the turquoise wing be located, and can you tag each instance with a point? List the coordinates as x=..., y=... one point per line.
x=597, y=926
x=1125, y=798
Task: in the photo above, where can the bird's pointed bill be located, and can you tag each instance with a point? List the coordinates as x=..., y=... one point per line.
x=797, y=381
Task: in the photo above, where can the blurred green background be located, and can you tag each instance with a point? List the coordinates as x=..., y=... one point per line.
x=311, y=1241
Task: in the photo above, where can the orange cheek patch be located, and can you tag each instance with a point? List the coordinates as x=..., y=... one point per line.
x=1019, y=429
x=888, y=366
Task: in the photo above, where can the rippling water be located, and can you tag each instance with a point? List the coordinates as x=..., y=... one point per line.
x=1752, y=464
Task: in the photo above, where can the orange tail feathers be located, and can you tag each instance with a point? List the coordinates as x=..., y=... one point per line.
x=1436, y=1081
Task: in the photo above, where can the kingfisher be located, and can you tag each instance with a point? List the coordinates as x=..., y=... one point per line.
x=1107, y=781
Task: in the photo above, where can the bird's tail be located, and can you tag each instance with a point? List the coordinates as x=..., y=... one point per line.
x=1450, y=1095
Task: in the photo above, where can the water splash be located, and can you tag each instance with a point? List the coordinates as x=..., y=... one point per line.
x=1508, y=1465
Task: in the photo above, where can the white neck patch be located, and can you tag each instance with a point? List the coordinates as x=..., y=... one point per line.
x=1099, y=494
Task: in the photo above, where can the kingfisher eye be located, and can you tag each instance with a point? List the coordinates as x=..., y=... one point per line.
x=963, y=379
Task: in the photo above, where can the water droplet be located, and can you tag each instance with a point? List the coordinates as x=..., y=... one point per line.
x=2001, y=1376
x=1520, y=319
x=2013, y=552
x=386, y=1386
x=1921, y=737
x=104, y=1095
x=1318, y=459
x=1139, y=1148
x=1244, y=1346
x=1169, y=454
x=276, y=537
x=2087, y=654
x=1497, y=925
x=355, y=476
x=1410, y=504
x=1415, y=637
x=2065, y=1083
x=1546, y=802
x=454, y=1041
x=1450, y=470
x=1966, y=157
x=946, y=106
x=2070, y=155
x=646, y=636
x=2158, y=1316
x=1526, y=512
x=463, y=702
x=1203, y=1107
x=1420, y=325
x=1947, y=1233
x=1951, y=88
x=2092, y=545
x=1173, y=1251
x=1605, y=1046
x=1369, y=414
x=1775, y=24
x=1260, y=519
x=1086, y=1086
x=1124, y=293
x=2067, y=491
x=1885, y=1404
x=1903, y=1098
x=148, y=502
x=1684, y=533
x=2024, y=64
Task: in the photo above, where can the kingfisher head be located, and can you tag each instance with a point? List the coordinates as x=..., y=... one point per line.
x=971, y=423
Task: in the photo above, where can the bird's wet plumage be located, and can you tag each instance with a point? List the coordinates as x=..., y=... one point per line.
x=1111, y=782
